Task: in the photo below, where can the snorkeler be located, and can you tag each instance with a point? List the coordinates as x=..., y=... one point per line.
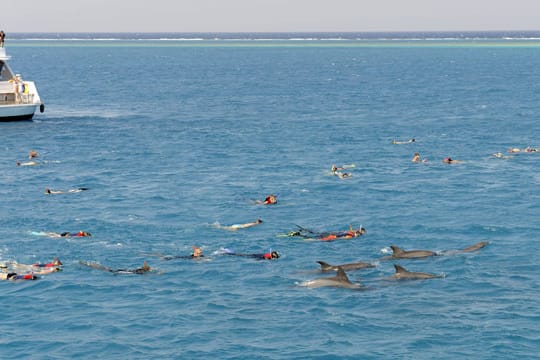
x=342, y=175
x=269, y=200
x=528, y=149
x=47, y=267
x=14, y=276
x=77, y=234
x=64, y=234
x=327, y=236
x=142, y=270
x=397, y=142
x=197, y=253
x=235, y=227
x=14, y=270
x=28, y=163
x=266, y=256
x=449, y=160
x=55, y=192
x=337, y=171
x=55, y=263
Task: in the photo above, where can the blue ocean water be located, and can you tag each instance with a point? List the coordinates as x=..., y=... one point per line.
x=172, y=137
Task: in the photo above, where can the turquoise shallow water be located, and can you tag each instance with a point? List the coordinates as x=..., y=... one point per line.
x=174, y=137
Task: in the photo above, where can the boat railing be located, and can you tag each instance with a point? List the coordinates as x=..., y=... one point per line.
x=14, y=94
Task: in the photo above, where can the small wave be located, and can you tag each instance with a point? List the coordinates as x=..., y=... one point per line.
x=386, y=250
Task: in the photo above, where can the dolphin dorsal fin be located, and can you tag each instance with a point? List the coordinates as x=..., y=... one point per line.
x=400, y=269
x=396, y=249
x=324, y=265
x=341, y=275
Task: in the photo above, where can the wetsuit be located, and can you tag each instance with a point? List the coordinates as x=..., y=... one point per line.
x=325, y=236
x=265, y=256
x=141, y=270
x=79, y=234
x=48, y=265
x=129, y=271
x=187, y=257
x=15, y=276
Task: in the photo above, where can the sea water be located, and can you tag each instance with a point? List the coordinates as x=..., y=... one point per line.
x=173, y=137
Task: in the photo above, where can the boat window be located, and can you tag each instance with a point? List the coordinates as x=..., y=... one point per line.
x=5, y=72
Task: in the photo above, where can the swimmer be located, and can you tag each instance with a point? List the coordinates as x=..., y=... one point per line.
x=197, y=253
x=397, y=142
x=269, y=200
x=28, y=163
x=55, y=192
x=142, y=270
x=337, y=168
x=77, y=234
x=266, y=256
x=55, y=263
x=33, y=154
x=64, y=234
x=18, y=267
x=416, y=158
x=14, y=276
x=342, y=175
x=528, y=149
x=500, y=155
x=45, y=268
x=328, y=236
x=449, y=160
x=235, y=227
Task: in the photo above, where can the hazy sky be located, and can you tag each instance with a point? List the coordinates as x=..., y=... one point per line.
x=267, y=15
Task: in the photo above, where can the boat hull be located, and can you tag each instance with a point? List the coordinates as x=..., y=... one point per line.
x=17, y=112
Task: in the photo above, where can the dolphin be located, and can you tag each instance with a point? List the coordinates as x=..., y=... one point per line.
x=352, y=266
x=468, y=249
x=399, y=253
x=340, y=280
x=404, y=274
x=475, y=247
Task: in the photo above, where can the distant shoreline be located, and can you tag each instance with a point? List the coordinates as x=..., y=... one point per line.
x=281, y=36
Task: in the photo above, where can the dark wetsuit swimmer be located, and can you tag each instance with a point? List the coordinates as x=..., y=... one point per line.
x=77, y=234
x=266, y=256
x=15, y=276
x=197, y=253
x=327, y=236
x=142, y=270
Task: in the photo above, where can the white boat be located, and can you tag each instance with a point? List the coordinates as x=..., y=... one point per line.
x=19, y=99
